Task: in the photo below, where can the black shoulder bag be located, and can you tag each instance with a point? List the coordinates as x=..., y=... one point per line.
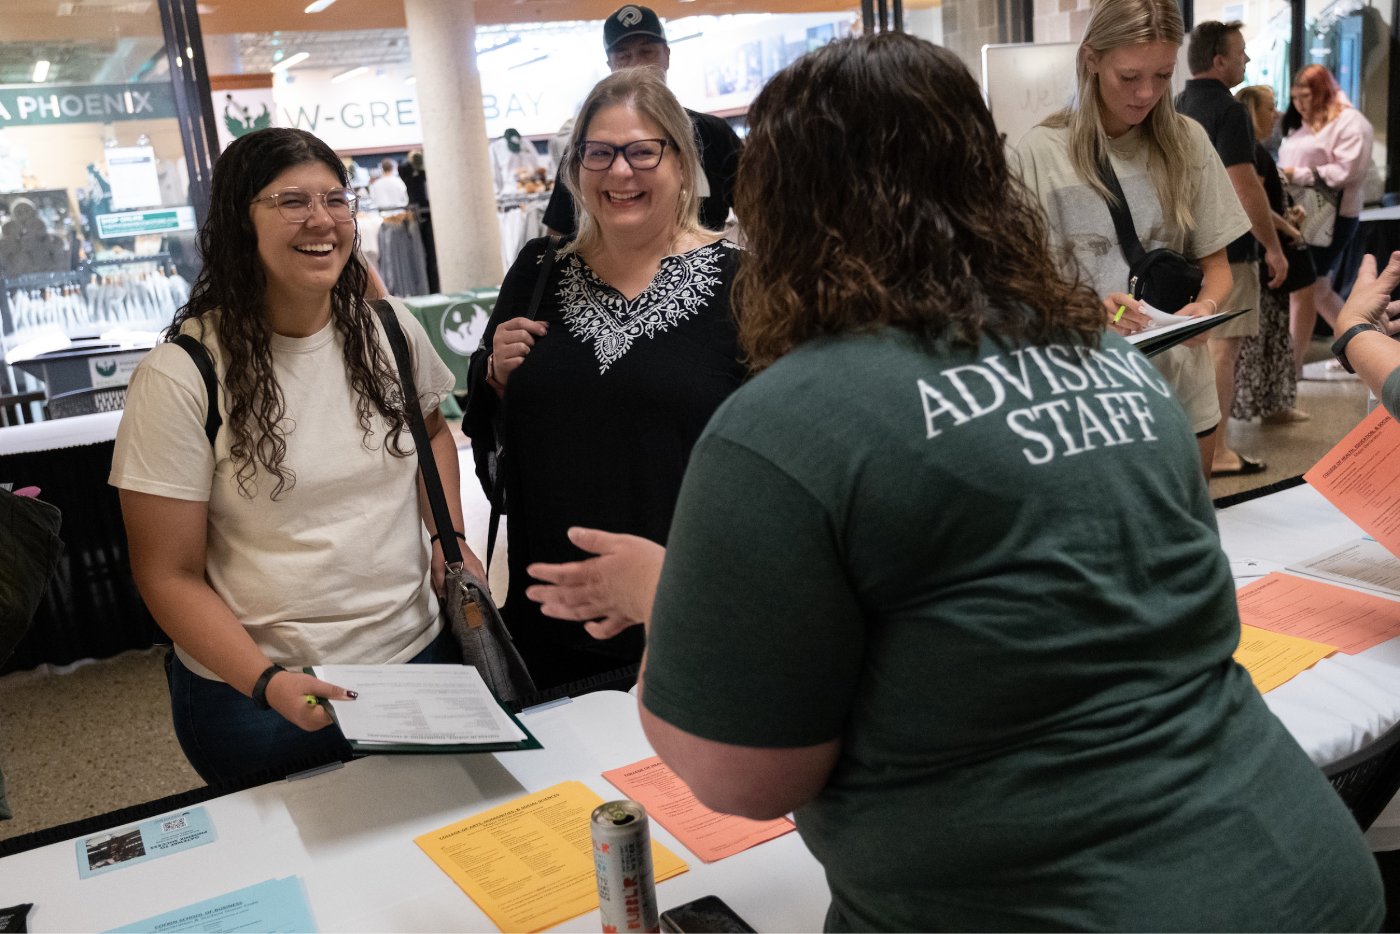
x=467, y=607
x=1163, y=278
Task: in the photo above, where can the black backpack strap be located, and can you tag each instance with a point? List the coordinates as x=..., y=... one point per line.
x=205, y=364
x=1128, y=240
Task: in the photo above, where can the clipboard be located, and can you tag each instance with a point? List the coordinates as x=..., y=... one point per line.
x=1164, y=337
x=403, y=748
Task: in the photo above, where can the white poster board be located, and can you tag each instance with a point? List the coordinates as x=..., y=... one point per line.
x=1024, y=83
x=131, y=170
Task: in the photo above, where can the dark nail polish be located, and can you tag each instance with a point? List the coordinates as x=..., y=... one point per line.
x=353, y=694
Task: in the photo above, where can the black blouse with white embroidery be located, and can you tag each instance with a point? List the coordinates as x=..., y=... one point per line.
x=601, y=418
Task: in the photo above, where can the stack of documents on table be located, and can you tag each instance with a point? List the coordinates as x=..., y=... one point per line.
x=1346, y=599
x=421, y=708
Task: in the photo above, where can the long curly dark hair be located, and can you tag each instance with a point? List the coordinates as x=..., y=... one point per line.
x=230, y=289
x=874, y=191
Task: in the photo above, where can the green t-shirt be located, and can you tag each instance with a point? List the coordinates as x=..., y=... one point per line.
x=995, y=575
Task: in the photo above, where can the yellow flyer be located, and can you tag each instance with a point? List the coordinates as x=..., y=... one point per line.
x=1272, y=658
x=529, y=862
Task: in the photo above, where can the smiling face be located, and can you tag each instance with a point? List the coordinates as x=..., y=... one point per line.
x=628, y=202
x=1131, y=79
x=303, y=261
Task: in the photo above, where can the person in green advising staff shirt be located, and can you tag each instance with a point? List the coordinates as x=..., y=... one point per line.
x=944, y=578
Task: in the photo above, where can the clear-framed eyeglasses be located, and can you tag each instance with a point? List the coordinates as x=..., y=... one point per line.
x=296, y=204
x=598, y=156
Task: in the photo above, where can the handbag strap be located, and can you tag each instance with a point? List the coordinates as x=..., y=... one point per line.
x=1128, y=240
x=498, y=488
x=432, y=480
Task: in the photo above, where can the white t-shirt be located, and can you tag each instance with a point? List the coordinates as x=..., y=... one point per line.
x=388, y=192
x=337, y=569
x=1082, y=232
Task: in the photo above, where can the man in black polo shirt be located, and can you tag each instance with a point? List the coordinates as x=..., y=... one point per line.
x=1217, y=58
x=632, y=37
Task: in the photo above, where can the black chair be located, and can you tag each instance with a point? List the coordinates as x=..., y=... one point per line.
x=1368, y=778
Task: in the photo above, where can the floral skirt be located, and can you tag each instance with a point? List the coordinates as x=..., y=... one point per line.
x=1265, y=381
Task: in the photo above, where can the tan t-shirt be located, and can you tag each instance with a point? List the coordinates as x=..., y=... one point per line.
x=1081, y=229
x=336, y=569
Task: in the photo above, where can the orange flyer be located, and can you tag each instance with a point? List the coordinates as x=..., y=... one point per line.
x=1309, y=609
x=708, y=834
x=1361, y=477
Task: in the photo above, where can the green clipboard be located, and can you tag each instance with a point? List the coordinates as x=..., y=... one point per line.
x=418, y=749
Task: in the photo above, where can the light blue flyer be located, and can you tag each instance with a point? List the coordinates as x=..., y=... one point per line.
x=148, y=840
x=277, y=905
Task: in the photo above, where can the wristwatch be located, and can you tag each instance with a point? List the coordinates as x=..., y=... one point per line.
x=1339, y=347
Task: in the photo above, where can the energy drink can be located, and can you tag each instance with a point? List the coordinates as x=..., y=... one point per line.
x=622, y=858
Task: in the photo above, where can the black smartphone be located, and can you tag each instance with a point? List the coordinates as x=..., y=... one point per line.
x=708, y=914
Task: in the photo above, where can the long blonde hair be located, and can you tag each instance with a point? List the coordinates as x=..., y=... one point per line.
x=1114, y=24
x=644, y=90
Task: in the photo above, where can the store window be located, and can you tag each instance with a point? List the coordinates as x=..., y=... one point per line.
x=96, y=228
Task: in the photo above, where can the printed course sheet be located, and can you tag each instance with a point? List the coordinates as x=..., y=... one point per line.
x=529, y=862
x=423, y=704
x=1310, y=609
x=1361, y=477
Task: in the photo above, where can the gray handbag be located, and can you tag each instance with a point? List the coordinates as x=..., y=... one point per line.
x=1319, y=204
x=467, y=606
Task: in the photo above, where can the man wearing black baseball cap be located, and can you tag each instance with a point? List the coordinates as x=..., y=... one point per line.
x=633, y=37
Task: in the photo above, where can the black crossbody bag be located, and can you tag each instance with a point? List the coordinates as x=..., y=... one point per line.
x=1163, y=278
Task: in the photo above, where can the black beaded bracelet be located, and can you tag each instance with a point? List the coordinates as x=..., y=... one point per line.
x=434, y=538
x=259, y=694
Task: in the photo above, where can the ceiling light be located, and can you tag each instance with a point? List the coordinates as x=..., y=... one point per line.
x=318, y=6
x=411, y=79
x=352, y=73
x=41, y=70
x=291, y=60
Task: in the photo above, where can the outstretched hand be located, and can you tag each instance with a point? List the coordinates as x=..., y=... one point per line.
x=609, y=592
x=1370, y=302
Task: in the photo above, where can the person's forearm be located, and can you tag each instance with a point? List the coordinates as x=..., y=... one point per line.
x=1374, y=356
x=200, y=622
x=1217, y=281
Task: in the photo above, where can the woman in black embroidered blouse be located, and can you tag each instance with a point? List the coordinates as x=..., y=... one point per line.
x=632, y=349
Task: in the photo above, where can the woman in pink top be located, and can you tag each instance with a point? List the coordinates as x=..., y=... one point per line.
x=1326, y=141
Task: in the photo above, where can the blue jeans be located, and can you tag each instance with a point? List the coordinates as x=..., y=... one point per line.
x=227, y=739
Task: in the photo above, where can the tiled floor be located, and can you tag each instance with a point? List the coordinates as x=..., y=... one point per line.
x=83, y=742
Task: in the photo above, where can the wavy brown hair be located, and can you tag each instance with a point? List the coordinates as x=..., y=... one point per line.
x=874, y=191
x=228, y=297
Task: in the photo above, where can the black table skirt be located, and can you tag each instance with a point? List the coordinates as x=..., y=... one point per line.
x=91, y=608
x=1378, y=238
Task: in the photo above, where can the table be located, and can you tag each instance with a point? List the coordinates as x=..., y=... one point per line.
x=455, y=324
x=1378, y=235
x=349, y=835
x=1343, y=703
x=91, y=608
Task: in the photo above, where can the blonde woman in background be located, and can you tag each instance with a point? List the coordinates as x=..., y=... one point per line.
x=1266, y=374
x=1177, y=190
